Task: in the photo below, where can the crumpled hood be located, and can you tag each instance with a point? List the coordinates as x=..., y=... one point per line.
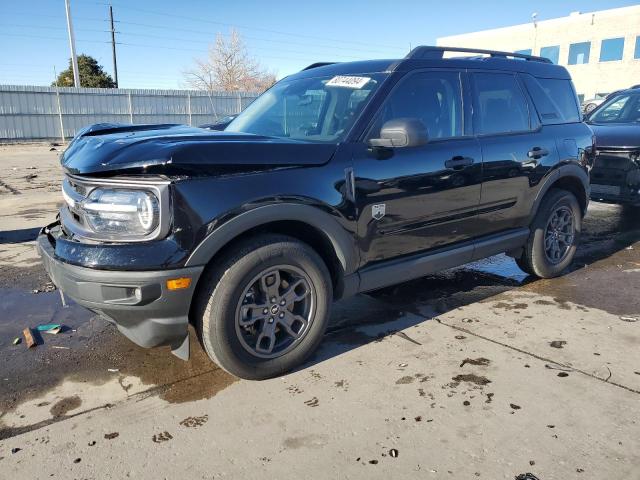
x=616, y=136
x=173, y=149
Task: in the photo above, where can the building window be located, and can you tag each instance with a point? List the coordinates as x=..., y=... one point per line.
x=611, y=49
x=526, y=51
x=637, y=52
x=579, y=53
x=552, y=53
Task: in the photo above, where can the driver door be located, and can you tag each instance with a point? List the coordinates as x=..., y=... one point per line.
x=416, y=198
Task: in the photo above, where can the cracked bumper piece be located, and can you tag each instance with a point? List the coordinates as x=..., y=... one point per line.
x=137, y=302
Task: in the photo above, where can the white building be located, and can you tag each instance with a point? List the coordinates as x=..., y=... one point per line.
x=601, y=49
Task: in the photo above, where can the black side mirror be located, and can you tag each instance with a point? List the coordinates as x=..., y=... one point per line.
x=401, y=132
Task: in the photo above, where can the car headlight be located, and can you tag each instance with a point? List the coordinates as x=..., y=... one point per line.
x=115, y=211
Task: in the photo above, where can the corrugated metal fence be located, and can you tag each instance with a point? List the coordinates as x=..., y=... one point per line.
x=31, y=113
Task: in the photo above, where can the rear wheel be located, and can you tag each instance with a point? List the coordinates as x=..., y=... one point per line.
x=554, y=232
x=265, y=306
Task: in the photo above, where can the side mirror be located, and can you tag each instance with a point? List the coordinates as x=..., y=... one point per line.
x=401, y=132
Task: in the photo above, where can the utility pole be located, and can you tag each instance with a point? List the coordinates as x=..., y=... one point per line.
x=72, y=46
x=113, y=47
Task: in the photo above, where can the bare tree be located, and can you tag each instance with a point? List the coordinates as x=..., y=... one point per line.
x=229, y=67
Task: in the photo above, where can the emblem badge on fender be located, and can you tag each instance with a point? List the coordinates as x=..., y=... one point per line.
x=378, y=211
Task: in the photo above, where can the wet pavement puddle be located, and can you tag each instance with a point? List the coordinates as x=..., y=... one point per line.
x=92, y=355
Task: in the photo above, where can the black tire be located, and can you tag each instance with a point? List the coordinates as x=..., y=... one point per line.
x=220, y=311
x=536, y=259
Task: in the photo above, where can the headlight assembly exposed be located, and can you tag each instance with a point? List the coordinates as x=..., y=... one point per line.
x=114, y=211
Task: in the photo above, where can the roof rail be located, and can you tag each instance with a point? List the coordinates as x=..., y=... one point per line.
x=317, y=64
x=424, y=52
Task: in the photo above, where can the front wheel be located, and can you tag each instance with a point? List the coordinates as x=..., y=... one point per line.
x=264, y=307
x=554, y=233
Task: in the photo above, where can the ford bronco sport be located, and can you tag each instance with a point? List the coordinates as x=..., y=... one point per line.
x=342, y=178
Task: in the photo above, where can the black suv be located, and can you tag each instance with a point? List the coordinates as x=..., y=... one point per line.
x=342, y=178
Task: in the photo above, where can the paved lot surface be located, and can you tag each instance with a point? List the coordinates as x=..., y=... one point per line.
x=477, y=372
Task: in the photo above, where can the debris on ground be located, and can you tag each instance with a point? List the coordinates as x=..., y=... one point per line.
x=31, y=176
x=111, y=436
x=113, y=370
x=17, y=340
x=629, y=319
x=28, y=338
x=46, y=288
x=557, y=343
x=59, y=347
x=476, y=361
x=514, y=406
x=393, y=453
x=526, y=476
x=52, y=328
x=407, y=337
x=15, y=450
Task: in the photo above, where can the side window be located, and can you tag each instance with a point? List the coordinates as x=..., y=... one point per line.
x=432, y=97
x=499, y=106
x=562, y=94
x=555, y=99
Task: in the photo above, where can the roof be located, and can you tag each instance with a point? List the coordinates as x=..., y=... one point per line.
x=434, y=57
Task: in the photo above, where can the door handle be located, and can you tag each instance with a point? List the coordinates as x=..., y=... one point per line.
x=458, y=162
x=537, y=152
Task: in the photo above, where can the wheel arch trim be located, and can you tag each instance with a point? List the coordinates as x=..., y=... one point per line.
x=341, y=240
x=569, y=171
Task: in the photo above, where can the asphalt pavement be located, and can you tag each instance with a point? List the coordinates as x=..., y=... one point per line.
x=476, y=372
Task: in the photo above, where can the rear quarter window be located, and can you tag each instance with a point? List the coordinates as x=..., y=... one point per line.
x=554, y=99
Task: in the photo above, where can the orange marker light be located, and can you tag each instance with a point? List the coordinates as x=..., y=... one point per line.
x=178, y=283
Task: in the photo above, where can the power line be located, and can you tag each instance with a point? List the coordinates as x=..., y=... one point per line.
x=248, y=37
x=244, y=27
x=48, y=38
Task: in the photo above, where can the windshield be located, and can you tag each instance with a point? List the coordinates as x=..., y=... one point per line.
x=320, y=109
x=622, y=108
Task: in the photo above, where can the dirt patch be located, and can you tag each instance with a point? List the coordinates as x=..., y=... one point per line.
x=405, y=380
x=557, y=343
x=471, y=378
x=510, y=306
x=62, y=407
x=194, y=422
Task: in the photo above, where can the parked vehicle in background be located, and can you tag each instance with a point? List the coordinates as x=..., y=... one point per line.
x=591, y=104
x=220, y=124
x=342, y=178
x=615, y=177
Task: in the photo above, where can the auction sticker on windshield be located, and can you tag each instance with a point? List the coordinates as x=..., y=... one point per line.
x=348, y=81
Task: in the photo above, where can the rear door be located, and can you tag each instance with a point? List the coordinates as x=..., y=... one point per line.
x=516, y=150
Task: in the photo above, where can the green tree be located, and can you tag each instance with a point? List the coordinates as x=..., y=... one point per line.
x=91, y=74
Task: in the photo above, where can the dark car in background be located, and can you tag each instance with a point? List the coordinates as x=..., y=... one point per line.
x=615, y=177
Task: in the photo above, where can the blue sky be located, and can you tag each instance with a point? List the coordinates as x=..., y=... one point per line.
x=158, y=39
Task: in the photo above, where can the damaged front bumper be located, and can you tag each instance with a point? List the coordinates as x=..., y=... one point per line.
x=137, y=302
